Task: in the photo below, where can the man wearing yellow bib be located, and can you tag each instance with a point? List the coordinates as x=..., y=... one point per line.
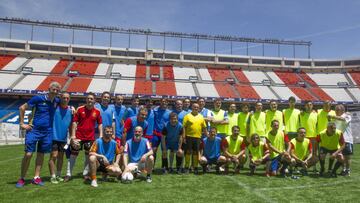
x=331, y=142
x=234, y=149
x=273, y=114
x=233, y=118
x=243, y=121
x=257, y=121
x=301, y=152
x=278, y=144
x=259, y=154
x=323, y=116
x=308, y=120
x=220, y=119
x=291, y=119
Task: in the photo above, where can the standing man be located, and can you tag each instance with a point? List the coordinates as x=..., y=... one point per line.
x=106, y=110
x=134, y=121
x=161, y=117
x=220, y=119
x=61, y=127
x=105, y=156
x=133, y=110
x=331, y=142
x=323, y=115
x=257, y=121
x=194, y=125
x=274, y=114
x=138, y=155
x=187, y=104
x=83, y=133
x=39, y=131
x=291, y=119
x=233, y=118
x=150, y=119
x=342, y=120
x=244, y=121
x=179, y=110
x=308, y=120
x=119, y=117
x=206, y=113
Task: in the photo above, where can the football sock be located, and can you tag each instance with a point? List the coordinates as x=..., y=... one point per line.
x=70, y=165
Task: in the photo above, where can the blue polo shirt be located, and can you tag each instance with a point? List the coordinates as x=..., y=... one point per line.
x=43, y=111
x=62, y=122
x=211, y=148
x=119, y=115
x=107, y=114
x=108, y=149
x=150, y=121
x=172, y=133
x=132, y=111
x=161, y=117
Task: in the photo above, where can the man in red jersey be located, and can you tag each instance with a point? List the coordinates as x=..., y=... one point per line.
x=83, y=133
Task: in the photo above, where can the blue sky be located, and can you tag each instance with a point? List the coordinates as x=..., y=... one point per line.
x=333, y=26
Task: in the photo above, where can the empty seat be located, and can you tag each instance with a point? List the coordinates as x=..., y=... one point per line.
x=184, y=89
x=44, y=86
x=303, y=94
x=143, y=87
x=102, y=69
x=165, y=88
x=85, y=67
x=14, y=64
x=239, y=74
x=60, y=66
x=207, y=90
x=5, y=59
x=284, y=92
x=355, y=92
x=264, y=92
x=323, y=96
x=307, y=79
x=355, y=75
x=168, y=73
x=30, y=82
x=275, y=77
x=124, y=87
x=79, y=85
x=155, y=69
x=183, y=73
x=99, y=85
x=219, y=74
x=247, y=92
x=8, y=79
x=225, y=90
x=42, y=65
x=255, y=76
x=288, y=77
x=204, y=74
x=124, y=69
x=338, y=94
x=140, y=71
x=327, y=78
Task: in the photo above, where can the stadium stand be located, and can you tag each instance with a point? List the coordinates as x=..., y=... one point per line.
x=206, y=90
x=14, y=64
x=126, y=70
x=140, y=71
x=5, y=59
x=102, y=69
x=99, y=85
x=124, y=87
x=8, y=79
x=168, y=73
x=355, y=92
x=338, y=94
x=225, y=90
x=219, y=74
x=85, y=67
x=44, y=85
x=284, y=92
x=184, y=89
x=273, y=76
x=355, y=76
x=240, y=76
x=30, y=82
x=42, y=65
x=183, y=73
x=79, y=85
x=204, y=74
x=255, y=76
x=327, y=78
x=247, y=92
x=143, y=87
x=60, y=66
x=165, y=88
x=264, y=92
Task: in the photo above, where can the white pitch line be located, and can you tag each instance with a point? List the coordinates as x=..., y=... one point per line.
x=251, y=190
x=308, y=186
x=4, y=161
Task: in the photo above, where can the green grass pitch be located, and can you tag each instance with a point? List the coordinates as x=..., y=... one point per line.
x=177, y=188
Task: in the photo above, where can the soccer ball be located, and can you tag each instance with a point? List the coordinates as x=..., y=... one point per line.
x=127, y=177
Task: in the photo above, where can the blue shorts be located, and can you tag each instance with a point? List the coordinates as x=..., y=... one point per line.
x=38, y=141
x=155, y=141
x=275, y=163
x=173, y=146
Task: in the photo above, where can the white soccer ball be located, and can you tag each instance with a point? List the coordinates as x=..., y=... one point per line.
x=127, y=177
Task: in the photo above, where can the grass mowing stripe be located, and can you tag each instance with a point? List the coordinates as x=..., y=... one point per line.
x=251, y=190
x=4, y=161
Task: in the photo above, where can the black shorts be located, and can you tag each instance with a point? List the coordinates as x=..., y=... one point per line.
x=192, y=144
x=326, y=151
x=102, y=167
x=86, y=145
x=58, y=146
x=349, y=149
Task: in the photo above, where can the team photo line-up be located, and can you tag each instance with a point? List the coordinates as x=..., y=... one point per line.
x=123, y=141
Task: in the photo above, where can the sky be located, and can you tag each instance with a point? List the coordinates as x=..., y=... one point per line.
x=333, y=26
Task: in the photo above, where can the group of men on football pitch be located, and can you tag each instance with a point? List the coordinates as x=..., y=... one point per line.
x=123, y=141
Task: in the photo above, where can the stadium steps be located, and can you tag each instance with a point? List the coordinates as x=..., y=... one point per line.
x=225, y=90
x=195, y=88
x=350, y=94
x=274, y=92
x=355, y=76
x=17, y=81
x=350, y=81
x=147, y=73
x=240, y=76
x=161, y=73
x=68, y=82
x=18, y=71
x=108, y=72
x=269, y=78
x=69, y=66
x=153, y=87
x=246, y=91
x=198, y=74
x=219, y=74
x=303, y=94
x=232, y=74
x=113, y=86
x=320, y=93
x=154, y=69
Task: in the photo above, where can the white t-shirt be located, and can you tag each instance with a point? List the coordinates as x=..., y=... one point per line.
x=345, y=127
